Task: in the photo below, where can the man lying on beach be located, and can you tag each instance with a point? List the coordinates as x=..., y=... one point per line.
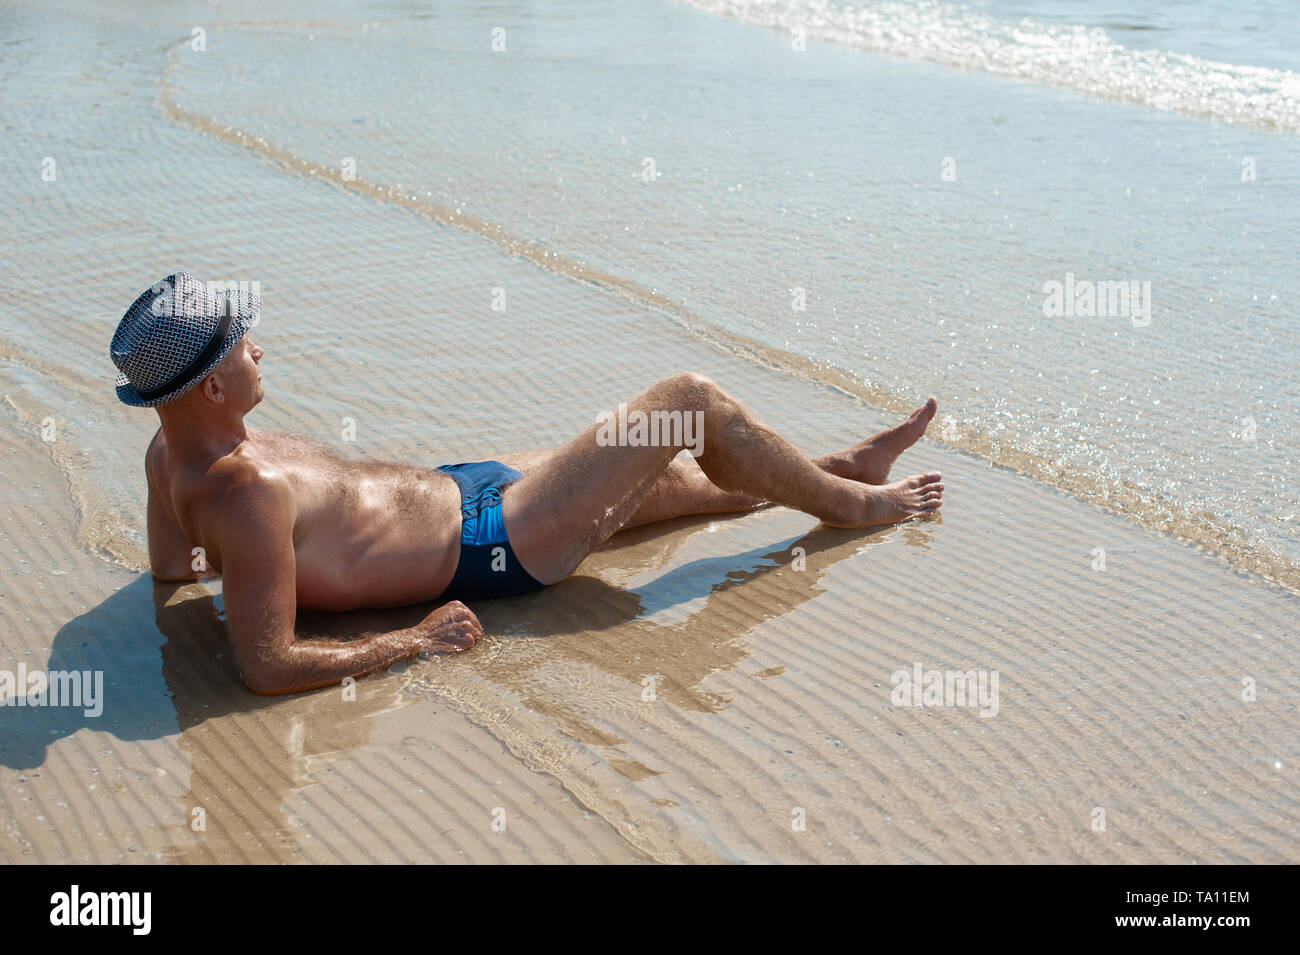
x=287, y=523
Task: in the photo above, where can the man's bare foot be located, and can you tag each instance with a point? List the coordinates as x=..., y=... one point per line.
x=920, y=495
x=869, y=461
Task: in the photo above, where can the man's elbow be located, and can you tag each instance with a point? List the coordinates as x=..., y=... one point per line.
x=262, y=688
x=266, y=681
x=272, y=681
x=174, y=578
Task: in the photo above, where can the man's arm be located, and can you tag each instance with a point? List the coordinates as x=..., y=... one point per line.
x=256, y=515
x=169, y=551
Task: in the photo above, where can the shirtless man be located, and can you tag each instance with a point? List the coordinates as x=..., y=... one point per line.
x=288, y=523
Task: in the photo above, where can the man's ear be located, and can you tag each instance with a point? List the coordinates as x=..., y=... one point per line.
x=211, y=388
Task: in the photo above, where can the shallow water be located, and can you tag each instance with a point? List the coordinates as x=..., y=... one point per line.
x=884, y=224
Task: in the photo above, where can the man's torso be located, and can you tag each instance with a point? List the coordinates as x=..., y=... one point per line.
x=366, y=534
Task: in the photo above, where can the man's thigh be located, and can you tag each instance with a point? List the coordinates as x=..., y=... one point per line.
x=573, y=498
x=525, y=461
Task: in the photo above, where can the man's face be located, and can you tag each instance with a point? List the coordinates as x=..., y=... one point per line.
x=240, y=379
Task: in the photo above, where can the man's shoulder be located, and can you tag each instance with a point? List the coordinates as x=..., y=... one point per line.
x=244, y=496
x=235, y=480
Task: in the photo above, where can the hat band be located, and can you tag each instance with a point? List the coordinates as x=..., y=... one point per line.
x=223, y=328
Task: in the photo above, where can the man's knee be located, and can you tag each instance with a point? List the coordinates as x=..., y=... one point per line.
x=691, y=391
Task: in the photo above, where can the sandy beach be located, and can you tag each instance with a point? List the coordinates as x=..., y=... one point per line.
x=708, y=690
x=1119, y=689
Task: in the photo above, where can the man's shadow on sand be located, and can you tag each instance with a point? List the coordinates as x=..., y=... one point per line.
x=655, y=627
x=168, y=667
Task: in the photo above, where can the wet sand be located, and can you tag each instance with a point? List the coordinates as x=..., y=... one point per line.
x=769, y=642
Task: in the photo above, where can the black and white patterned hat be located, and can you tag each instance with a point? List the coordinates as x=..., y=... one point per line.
x=174, y=334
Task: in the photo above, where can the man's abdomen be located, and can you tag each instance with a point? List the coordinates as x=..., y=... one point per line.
x=392, y=542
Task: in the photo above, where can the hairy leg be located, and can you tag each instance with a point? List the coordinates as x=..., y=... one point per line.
x=584, y=492
x=683, y=489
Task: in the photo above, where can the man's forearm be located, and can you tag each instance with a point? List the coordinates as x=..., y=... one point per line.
x=312, y=663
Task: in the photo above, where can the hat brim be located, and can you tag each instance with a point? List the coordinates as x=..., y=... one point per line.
x=240, y=323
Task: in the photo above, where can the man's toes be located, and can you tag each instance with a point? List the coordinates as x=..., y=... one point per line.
x=926, y=411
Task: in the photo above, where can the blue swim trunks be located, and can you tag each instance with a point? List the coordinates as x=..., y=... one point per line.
x=488, y=566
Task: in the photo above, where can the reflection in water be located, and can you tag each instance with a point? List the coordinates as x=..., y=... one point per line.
x=245, y=753
x=241, y=774
x=175, y=677
x=583, y=626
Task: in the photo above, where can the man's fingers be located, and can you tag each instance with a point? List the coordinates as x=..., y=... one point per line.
x=465, y=635
x=456, y=635
x=452, y=628
x=440, y=647
x=458, y=611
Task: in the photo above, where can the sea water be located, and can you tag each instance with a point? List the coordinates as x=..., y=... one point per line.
x=892, y=198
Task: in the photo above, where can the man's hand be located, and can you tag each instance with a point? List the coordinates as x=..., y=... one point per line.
x=452, y=627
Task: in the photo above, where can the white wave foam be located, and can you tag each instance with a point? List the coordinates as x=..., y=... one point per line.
x=1075, y=57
